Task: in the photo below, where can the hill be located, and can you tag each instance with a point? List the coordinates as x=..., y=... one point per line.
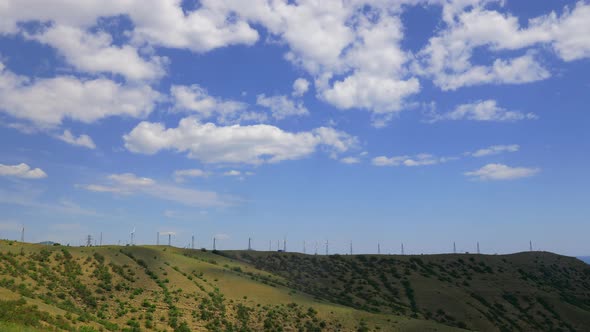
x=585, y=259
x=149, y=288
x=531, y=291
x=159, y=288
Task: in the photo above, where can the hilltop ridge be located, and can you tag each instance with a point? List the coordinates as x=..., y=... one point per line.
x=160, y=288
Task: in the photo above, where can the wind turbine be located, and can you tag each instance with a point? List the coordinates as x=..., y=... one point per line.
x=132, y=236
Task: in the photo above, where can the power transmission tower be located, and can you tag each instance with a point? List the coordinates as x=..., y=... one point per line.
x=100, y=238
x=327, y=248
x=157, y=238
x=285, y=244
x=89, y=241
x=351, y=248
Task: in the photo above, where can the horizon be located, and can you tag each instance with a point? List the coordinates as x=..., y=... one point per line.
x=425, y=122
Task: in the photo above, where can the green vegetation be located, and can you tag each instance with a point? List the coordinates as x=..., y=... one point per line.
x=149, y=288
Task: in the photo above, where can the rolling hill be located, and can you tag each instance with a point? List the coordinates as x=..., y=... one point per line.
x=159, y=288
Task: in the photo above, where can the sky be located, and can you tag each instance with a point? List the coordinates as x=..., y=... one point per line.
x=422, y=122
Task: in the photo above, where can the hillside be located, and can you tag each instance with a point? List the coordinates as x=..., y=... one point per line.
x=149, y=288
x=160, y=288
x=532, y=291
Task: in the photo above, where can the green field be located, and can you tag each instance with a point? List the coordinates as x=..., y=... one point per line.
x=159, y=288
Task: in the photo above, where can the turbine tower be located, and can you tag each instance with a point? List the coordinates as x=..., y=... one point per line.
x=327, y=248
x=101, y=238
x=304, y=247
x=351, y=248
x=454, y=248
x=193, y=242
x=132, y=236
x=22, y=235
x=378, y=248
x=403, y=249
x=249, y=243
x=214, y=248
x=169, y=239
x=158, y=238
x=530, y=244
x=478, y=248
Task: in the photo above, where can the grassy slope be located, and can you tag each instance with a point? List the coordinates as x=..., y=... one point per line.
x=521, y=292
x=162, y=288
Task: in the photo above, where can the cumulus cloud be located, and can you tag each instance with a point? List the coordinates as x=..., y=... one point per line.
x=195, y=99
x=484, y=110
x=501, y=172
x=159, y=23
x=300, y=87
x=181, y=175
x=253, y=144
x=22, y=171
x=495, y=149
x=95, y=53
x=82, y=140
x=47, y=102
x=129, y=184
x=281, y=106
x=447, y=58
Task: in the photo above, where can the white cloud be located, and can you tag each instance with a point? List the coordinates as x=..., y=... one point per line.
x=47, y=102
x=570, y=33
x=159, y=23
x=447, y=57
x=350, y=160
x=281, y=106
x=196, y=100
x=82, y=140
x=253, y=144
x=422, y=159
x=495, y=149
x=22, y=171
x=94, y=53
x=300, y=87
x=501, y=172
x=129, y=183
x=181, y=175
x=377, y=93
x=486, y=110
x=232, y=172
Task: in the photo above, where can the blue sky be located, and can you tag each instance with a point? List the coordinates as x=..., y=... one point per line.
x=422, y=122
